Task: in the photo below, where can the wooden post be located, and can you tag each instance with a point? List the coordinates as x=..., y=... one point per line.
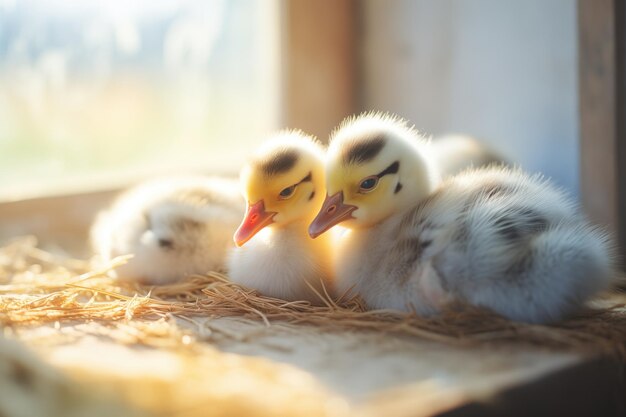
x=602, y=81
x=319, y=64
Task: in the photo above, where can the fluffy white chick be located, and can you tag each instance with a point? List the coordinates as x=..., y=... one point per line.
x=455, y=153
x=283, y=185
x=493, y=237
x=174, y=227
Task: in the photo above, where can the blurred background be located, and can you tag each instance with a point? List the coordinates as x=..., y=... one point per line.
x=94, y=87
x=96, y=94
x=90, y=88
x=505, y=72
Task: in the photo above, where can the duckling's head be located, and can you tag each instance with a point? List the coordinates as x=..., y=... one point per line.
x=282, y=183
x=376, y=166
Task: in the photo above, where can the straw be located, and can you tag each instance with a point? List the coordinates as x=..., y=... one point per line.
x=40, y=287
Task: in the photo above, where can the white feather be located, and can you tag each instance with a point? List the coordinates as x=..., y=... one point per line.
x=282, y=263
x=174, y=227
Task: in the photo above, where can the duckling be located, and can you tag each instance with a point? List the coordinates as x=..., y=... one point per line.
x=283, y=185
x=493, y=237
x=454, y=153
x=173, y=227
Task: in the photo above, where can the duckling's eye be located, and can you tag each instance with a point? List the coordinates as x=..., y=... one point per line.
x=368, y=184
x=287, y=192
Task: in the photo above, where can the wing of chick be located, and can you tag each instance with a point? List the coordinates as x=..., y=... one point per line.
x=173, y=227
x=513, y=243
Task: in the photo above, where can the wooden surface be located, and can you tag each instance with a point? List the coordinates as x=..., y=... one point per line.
x=602, y=80
x=372, y=374
x=319, y=64
x=61, y=221
x=592, y=388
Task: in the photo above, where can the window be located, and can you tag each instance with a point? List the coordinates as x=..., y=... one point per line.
x=91, y=90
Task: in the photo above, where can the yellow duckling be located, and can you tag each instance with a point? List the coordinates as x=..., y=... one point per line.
x=283, y=185
x=493, y=237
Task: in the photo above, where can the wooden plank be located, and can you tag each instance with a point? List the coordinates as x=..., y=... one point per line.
x=61, y=221
x=595, y=387
x=62, y=215
x=602, y=90
x=319, y=67
x=620, y=91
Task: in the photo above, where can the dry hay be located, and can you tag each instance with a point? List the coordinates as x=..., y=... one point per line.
x=37, y=287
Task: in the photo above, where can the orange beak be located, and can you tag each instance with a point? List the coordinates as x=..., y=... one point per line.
x=333, y=211
x=256, y=219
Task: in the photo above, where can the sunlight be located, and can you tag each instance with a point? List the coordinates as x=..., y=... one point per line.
x=103, y=88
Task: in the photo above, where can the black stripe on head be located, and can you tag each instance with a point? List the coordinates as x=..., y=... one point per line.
x=391, y=169
x=363, y=150
x=280, y=162
x=398, y=188
x=308, y=178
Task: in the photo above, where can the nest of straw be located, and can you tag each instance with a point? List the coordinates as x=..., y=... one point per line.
x=37, y=287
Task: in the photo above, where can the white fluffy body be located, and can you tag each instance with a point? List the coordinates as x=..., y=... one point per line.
x=493, y=237
x=174, y=227
x=282, y=264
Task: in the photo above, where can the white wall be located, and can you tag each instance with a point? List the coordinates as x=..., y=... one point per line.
x=505, y=71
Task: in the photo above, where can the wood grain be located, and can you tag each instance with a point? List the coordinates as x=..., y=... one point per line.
x=61, y=221
x=602, y=92
x=319, y=64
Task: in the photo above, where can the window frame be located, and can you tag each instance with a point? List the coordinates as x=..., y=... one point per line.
x=602, y=113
